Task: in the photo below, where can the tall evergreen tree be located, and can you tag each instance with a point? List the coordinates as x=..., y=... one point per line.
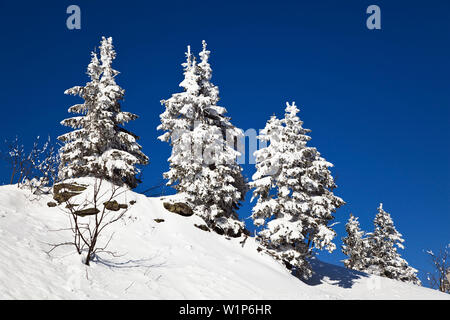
x=203, y=163
x=354, y=245
x=383, y=258
x=100, y=146
x=294, y=188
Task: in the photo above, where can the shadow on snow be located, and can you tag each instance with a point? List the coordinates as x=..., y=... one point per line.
x=333, y=275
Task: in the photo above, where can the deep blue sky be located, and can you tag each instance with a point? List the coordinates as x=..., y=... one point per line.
x=377, y=102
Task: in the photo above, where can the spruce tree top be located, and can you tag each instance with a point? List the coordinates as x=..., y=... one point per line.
x=385, y=231
x=100, y=146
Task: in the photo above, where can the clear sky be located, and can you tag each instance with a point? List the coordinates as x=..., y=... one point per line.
x=377, y=101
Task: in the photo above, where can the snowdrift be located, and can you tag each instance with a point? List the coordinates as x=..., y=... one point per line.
x=169, y=259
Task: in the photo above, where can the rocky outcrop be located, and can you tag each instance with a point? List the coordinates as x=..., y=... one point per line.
x=69, y=186
x=62, y=192
x=87, y=212
x=114, y=205
x=64, y=196
x=180, y=208
x=202, y=227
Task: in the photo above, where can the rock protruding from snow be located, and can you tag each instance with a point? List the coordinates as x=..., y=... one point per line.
x=86, y=212
x=179, y=208
x=62, y=192
x=114, y=205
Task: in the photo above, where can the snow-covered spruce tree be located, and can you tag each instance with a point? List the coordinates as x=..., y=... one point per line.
x=354, y=245
x=383, y=258
x=294, y=188
x=203, y=164
x=100, y=146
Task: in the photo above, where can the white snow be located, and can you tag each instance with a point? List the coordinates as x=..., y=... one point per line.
x=167, y=260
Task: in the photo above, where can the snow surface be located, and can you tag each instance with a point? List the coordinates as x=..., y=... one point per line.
x=167, y=260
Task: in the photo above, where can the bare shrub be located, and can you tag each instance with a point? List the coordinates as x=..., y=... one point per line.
x=88, y=220
x=440, y=277
x=36, y=169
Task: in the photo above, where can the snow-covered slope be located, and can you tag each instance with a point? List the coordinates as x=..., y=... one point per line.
x=166, y=260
